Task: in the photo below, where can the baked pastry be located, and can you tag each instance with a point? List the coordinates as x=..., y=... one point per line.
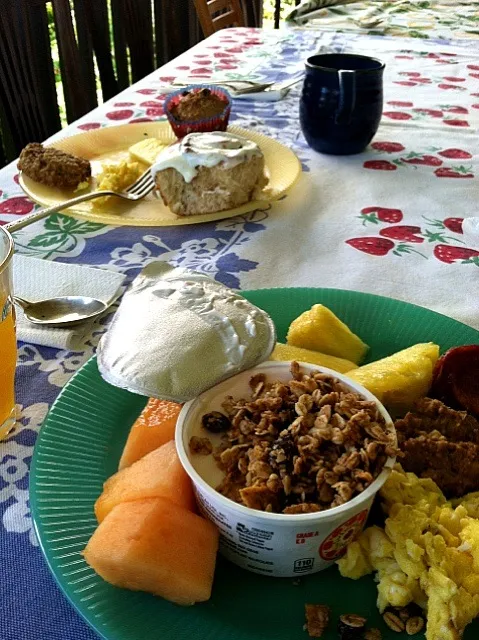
x=53, y=167
x=209, y=172
x=197, y=105
x=198, y=108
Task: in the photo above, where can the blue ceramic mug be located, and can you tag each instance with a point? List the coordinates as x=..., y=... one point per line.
x=341, y=102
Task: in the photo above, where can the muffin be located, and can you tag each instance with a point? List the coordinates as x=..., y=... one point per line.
x=209, y=172
x=198, y=108
x=53, y=167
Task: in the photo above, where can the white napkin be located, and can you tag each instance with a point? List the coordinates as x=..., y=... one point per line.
x=263, y=96
x=35, y=279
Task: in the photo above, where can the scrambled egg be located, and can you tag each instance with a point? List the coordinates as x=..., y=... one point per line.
x=82, y=186
x=428, y=553
x=115, y=177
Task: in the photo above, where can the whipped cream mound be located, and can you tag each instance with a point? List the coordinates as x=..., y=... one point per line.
x=178, y=332
x=205, y=150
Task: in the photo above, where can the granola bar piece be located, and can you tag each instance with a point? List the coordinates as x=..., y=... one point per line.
x=317, y=619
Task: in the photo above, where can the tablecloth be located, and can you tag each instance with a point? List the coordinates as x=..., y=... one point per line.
x=412, y=18
x=386, y=221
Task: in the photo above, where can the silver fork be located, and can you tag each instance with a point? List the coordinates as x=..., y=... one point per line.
x=136, y=191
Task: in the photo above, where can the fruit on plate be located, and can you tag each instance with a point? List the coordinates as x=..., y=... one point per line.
x=154, y=545
x=147, y=150
x=158, y=474
x=456, y=378
x=320, y=330
x=154, y=427
x=286, y=352
x=401, y=379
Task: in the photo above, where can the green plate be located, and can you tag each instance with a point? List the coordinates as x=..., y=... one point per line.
x=79, y=447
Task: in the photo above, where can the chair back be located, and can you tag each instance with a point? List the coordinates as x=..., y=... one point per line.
x=219, y=14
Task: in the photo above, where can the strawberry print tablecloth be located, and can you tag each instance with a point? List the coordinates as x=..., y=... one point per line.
x=405, y=18
x=388, y=221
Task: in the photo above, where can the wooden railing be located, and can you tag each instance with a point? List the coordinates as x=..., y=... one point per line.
x=125, y=41
x=277, y=12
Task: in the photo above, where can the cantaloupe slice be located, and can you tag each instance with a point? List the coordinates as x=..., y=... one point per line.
x=158, y=474
x=285, y=352
x=155, y=426
x=156, y=546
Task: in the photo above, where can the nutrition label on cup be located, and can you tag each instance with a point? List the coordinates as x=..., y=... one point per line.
x=254, y=537
x=210, y=512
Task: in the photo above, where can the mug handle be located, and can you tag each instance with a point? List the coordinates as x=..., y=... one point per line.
x=347, y=96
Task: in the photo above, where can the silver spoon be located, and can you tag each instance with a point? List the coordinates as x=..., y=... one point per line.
x=59, y=312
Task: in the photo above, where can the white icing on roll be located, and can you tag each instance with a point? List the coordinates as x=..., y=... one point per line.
x=205, y=150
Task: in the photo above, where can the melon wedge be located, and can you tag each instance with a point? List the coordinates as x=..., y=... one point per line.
x=154, y=427
x=158, y=474
x=156, y=546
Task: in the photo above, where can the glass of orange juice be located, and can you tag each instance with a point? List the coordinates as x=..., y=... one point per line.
x=8, y=343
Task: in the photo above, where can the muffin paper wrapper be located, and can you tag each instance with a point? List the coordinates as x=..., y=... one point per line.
x=182, y=128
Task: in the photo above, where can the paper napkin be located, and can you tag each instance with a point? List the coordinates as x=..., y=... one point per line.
x=36, y=279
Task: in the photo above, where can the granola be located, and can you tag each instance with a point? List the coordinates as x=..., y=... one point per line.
x=201, y=446
x=317, y=619
x=303, y=446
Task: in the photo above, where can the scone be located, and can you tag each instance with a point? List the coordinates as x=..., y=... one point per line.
x=209, y=172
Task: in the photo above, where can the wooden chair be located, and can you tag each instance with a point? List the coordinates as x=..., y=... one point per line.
x=218, y=14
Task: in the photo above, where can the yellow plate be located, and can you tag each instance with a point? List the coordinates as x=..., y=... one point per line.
x=111, y=144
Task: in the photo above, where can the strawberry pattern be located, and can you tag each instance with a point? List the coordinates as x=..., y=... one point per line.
x=399, y=239
x=450, y=254
x=403, y=232
x=375, y=215
x=430, y=157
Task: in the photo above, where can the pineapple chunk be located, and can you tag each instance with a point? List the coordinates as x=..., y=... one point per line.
x=320, y=330
x=401, y=379
x=285, y=352
x=147, y=150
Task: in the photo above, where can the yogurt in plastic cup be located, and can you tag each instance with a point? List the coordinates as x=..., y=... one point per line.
x=274, y=544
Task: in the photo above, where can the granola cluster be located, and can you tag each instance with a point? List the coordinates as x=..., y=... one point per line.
x=302, y=446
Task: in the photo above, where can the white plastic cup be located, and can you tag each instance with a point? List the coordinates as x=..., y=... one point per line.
x=274, y=544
